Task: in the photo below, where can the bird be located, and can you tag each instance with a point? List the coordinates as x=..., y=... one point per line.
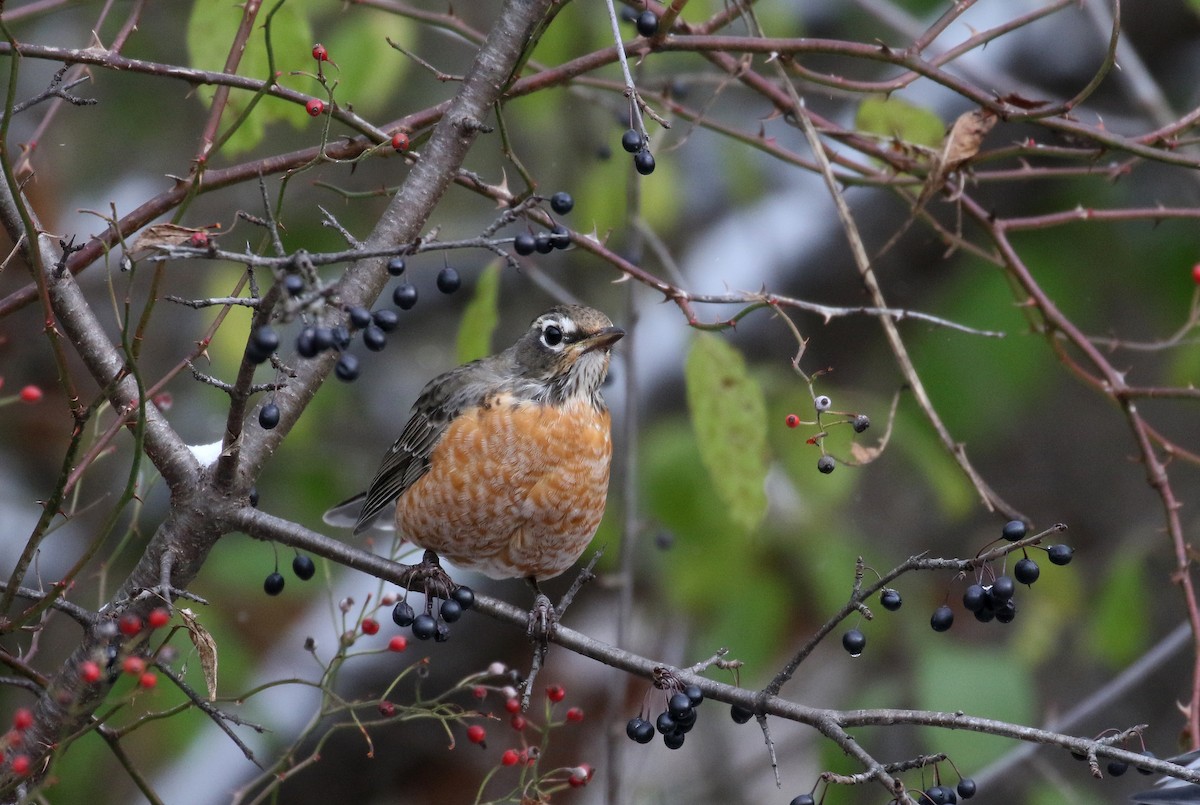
x=503, y=466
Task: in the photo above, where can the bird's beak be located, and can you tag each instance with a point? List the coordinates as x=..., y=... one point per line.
x=601, y=339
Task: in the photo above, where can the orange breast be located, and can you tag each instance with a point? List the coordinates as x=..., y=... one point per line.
x=513, y=489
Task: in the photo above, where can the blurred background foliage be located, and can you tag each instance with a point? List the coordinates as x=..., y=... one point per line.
x=713, y=567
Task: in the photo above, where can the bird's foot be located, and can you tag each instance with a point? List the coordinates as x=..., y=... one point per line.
x=543, y=621
x=428, y=577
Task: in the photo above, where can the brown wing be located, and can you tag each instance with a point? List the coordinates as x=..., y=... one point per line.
x=408, y=459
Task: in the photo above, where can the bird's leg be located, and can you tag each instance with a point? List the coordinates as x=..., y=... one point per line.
x=428, y=576
x=543, y=620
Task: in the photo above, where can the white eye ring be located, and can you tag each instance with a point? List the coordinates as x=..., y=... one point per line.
x=822, y=403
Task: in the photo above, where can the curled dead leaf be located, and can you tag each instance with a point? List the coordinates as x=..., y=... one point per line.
x=206, y=648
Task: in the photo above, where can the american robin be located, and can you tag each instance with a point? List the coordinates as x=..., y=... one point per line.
x=503, y=467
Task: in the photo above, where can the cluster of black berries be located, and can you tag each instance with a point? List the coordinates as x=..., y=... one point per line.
x=635, y=143
x=995, y=601
x=314, y=339
x=675, y=722
x=302, y=566
x=945, y=795
x=545, y=242
x=427, y=625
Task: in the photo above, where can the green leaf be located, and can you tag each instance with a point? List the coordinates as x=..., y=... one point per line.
x=892, y=117
x=210, y=31
x=480, y=318
x=1118, y=629
x=729, y=417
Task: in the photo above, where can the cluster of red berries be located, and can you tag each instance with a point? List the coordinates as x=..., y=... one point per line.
x=14, y=740
x=675, y=721
x=991, y=596
x=426, y=625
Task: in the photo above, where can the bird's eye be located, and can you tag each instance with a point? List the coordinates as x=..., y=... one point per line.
x=552, y=335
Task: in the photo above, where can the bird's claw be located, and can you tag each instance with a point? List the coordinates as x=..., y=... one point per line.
x=543, y=620
x=428, y=577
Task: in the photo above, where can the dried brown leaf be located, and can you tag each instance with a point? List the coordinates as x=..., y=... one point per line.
x=206, y=648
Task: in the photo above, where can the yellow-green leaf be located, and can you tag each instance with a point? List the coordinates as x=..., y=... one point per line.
x=480, y=317
x=730, y=421
x=892, y=117
x=210, y=31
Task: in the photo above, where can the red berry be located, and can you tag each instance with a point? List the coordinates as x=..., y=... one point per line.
x=89, y=671
x=315, y=107
x=387, y=709
x=556, y=693
x=320, y=53
x=198, y=240
x=513, y=705
x=476, y=734
x=509, y=758
x=792, y=420
x=23, y=718
x=20, y=765
x=479, y=692
x=129, y=624
x=370, y=626
x=1195, y=278
x=158, y=618
x=31, y=394
x=148, y=680
x=580, y=775
x=519, y=723
x=134, y=665
x=400, y=141
x=575, y=714
x=398, y=643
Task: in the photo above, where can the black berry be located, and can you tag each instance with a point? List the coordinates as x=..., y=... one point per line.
x=1117, y=767
x=640, y=730
x=464, y=596
x=306, y=344
x=644, y=162
x=360, y=317
x=1026, y=571
x=560, y=237
x=403, y=614
x=974, y=598
x=322, y=338
x=942, y=618
x=293, y=284
x=405, y=296
x=386, y=320
x=647, y=23
x=665, y=723
x=341, y=336
x=263, y=341
x=631, y=141
x=273, y=584
x=861, y=423
x=395, y=266
x=448, y=280
x=673, y=740
x=694, y=694
x=966, y=788
x=854, y=641
x=890, y=599
x=347, y=368
x=740, y=714
x=268, y=416
x=562, y=203
x=451, y=610
x=303, y=567
x=1060, y=554
x=424, y=627
x=1003, y=588
x=542, y=243
x=374, y=338
x=1013, y=530
x=523, y=243
x=678, y=706
x=826, y=464
x=1006, y=612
